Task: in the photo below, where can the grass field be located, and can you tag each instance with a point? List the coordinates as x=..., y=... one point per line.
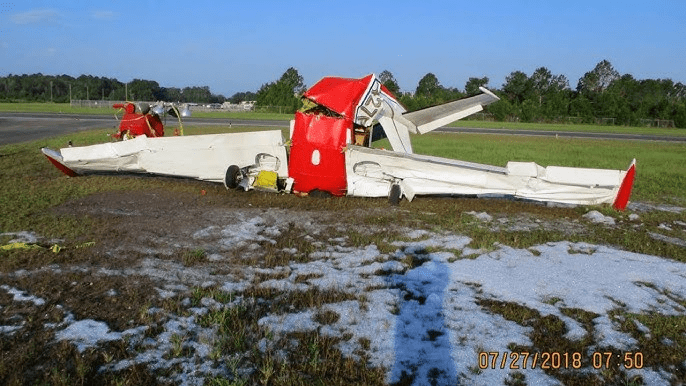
x=562, y=127
x=33, y=190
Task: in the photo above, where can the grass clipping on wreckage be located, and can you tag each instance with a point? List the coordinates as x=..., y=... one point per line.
x=337, y=290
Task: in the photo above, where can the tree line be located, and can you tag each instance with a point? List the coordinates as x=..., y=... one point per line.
x=63, y=88
x=601, y=94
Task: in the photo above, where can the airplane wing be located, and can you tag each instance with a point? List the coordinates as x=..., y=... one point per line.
x=375, y=173
x=204, y=157
x=431, y=118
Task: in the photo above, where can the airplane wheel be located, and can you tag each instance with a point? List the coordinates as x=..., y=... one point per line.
x=394, y=195
x=233, y=177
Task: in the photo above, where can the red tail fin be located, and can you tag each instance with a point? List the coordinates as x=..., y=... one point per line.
x=622, y=198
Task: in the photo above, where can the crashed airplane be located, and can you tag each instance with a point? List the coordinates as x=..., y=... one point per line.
x=331, y=151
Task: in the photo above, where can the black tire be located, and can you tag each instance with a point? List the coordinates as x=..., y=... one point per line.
x=316, y=193
x=233, y=177
x=394, y=195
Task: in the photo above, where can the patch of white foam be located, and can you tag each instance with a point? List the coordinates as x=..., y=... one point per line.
x=87, y=333
x=427, y=320
x=22, y=237
x=245, y=231
x=441, y=298
x=21, y=296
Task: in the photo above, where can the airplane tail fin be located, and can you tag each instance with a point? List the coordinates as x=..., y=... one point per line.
x=624, y=193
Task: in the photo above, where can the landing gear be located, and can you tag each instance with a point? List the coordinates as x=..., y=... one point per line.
x=233, y=177
x=394, y=195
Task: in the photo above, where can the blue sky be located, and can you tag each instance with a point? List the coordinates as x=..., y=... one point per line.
x=238, y=46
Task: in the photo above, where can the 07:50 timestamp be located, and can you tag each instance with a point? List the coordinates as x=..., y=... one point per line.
x=558, y=360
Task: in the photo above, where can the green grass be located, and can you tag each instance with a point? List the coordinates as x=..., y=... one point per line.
x=243, y=115
x=585, y=128
x=59, y=108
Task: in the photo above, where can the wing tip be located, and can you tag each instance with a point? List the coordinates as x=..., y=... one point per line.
x=56, y=159
x=489, y=92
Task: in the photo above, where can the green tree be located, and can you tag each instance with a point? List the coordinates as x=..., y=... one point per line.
x=473, y=84
x=144, y=90
x=428, y=86
x=517, y=87
x=285, y=92
x=293, y=81
x=388, y=80
x=196, y=94
x=581, y=107
x=171, y=94
x=679, y=115
x=502, y=110
x=599, y=79
x=242, y=96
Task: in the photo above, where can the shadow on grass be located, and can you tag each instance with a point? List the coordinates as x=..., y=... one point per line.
x=422, y=346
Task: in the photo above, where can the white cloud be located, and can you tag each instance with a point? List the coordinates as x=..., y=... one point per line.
x=36, y=16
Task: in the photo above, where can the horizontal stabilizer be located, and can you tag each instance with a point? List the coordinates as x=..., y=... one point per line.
x=432, y=118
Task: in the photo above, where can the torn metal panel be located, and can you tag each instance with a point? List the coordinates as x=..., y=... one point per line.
x=341, y=95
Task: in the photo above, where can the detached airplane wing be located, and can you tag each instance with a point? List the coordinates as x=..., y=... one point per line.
x=204, y=157
x=431, y=118
x=382, y=173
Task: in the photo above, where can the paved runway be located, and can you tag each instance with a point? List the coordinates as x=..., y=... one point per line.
x=22, y=127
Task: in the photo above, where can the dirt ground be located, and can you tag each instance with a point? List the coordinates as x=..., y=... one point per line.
x=153, y=249
x=140, y=249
